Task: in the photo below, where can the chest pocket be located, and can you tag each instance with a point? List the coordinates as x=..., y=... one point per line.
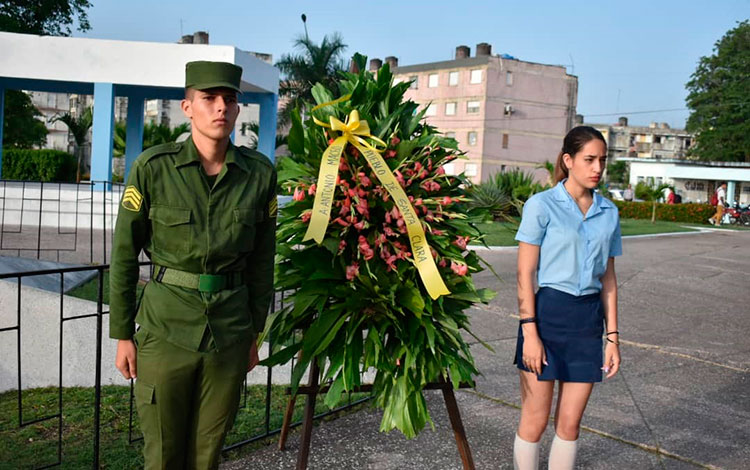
x=171, y=228
x=243, y=228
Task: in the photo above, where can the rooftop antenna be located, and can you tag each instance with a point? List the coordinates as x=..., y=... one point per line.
x=572, y=65
x=304, y=22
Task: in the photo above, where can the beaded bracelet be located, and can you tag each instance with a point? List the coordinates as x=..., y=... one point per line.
x=527, y=320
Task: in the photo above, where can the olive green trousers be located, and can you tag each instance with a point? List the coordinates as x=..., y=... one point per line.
x=186, y=400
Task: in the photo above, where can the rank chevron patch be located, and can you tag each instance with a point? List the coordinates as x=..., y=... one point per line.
x=132, y=199
x=273, y=207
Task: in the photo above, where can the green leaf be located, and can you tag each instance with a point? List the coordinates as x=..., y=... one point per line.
x=296, y=138
x=411, y=298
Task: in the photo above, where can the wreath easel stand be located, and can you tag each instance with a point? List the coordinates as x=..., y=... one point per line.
x=313, y=389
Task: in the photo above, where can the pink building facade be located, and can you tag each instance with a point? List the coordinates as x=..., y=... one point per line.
x=504, y=112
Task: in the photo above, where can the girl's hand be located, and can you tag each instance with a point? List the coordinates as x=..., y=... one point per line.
x=611, y=359
x=533, y=353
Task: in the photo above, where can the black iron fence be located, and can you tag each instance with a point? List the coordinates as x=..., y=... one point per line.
x=58, y=221
x=57, y=412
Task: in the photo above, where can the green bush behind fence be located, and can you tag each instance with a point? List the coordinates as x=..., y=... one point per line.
x=39, y=165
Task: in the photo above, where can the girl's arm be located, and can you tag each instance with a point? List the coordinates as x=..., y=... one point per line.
x=533, y=351
x=609, y=300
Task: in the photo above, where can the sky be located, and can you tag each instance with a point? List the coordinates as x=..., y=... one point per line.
x=632, y=58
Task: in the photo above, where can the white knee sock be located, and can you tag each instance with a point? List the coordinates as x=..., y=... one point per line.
x=562, y=454
x=525, y=454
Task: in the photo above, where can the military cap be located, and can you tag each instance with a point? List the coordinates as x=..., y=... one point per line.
x=202, y=75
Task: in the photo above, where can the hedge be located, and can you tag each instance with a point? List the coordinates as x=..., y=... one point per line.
x=691, y=213
x=39, y=165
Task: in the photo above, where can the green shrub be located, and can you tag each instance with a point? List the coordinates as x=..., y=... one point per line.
x=39, y=165
x=691, y=213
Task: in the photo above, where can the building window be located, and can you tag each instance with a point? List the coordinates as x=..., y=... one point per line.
x=470, y=169
x=509, y=78
x=505, y=141
x=453, y=78
x=472, y=138
x=450, y=109
x=450, y=135
x=51, y=101
x=472, y=107
x=431, y=110
x=414, y=79
x=476, y=76
x=657, y=139
x=432, y=80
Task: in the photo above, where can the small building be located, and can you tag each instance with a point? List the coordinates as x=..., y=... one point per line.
x=693, y=180
x=503, y=111
x=657, y=140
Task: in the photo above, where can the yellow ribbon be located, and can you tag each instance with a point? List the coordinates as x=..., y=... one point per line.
x=354, y=131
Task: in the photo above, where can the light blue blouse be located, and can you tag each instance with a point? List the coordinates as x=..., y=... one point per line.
x=573, y=248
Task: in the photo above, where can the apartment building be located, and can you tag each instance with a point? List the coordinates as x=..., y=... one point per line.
x=504, y=112
x=657, y=140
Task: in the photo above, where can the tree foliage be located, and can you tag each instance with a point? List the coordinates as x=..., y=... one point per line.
x=314, y=64
x=79, y=128
x=44, y=17
x=21, y=128
x=719, y=99
x=651, y=192
x=617, y=172
x=153, y=134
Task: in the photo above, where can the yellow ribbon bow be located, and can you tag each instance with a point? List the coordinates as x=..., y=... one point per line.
x=354, y=131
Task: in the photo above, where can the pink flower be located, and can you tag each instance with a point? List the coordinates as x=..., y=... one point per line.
x=306, y=216
x=341, y=222
x=365, y=248
x=460, y=269
x=399, y=178
x=418, y=202
x=395, y=214
x=387, y=230
x=437, y=232
x=364, y=179
x=343, y=166
x=342, y=246
x=440, y=170
x=298, y=195
x=395, y=141
x=362, y=208
x=446, y=201
x=442, y=263
x=360, y=225
x=352, y=271
x=461, y=242
x=390, y=153
x=311, y=191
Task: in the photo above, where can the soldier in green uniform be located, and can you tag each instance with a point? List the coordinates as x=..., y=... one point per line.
x=204, y=211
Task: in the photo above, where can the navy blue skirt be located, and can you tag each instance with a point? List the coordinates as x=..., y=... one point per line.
x=571, y=329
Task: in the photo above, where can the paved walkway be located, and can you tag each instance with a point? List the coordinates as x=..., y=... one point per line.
x=682, y=400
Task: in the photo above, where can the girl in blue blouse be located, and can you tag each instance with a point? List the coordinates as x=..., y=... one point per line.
x=568, y=238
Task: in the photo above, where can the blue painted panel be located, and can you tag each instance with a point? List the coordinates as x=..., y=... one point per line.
x=51, y=86
x=103, y=129
x=150, y=92
x=134, y=125
x=267, y=132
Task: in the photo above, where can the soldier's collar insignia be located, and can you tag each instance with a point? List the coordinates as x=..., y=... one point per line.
x=132, y=199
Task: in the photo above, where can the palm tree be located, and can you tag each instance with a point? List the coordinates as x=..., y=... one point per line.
x=550, y=167
x=315, y=64
x=254, y=127
x=79, y=127
x=652, y=193
x=153, y=134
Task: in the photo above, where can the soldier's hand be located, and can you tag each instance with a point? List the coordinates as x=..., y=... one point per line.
x=253, y=360
x=125, y=358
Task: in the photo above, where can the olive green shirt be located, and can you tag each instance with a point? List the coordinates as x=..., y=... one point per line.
x=169, y=210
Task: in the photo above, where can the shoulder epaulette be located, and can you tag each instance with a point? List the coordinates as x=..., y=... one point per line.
x=161, y=149
x=254, y=155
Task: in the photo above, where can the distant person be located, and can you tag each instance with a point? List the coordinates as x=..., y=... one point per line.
x=670, y=197
x=719, y=200
x=628, y=193
x=677, y=198
x=568, y=238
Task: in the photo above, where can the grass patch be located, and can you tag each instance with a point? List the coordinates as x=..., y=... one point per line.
x=503, y=233
x=36, y=445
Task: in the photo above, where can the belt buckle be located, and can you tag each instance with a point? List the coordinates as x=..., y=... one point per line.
x=211, y=282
